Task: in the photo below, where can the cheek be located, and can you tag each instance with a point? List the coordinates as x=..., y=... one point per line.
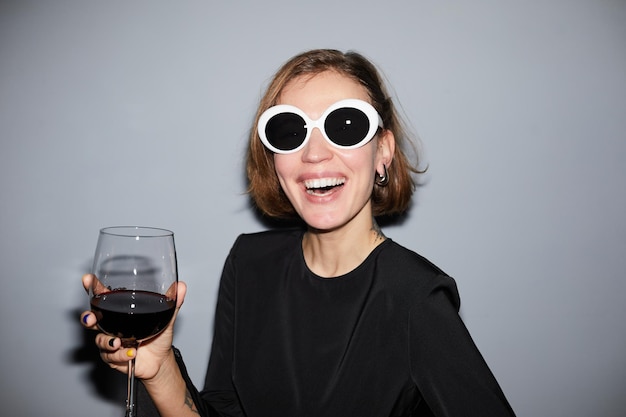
x=362, y=160
x=280, y=165
x=283, y=166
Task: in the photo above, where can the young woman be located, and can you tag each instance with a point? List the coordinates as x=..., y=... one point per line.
x=331, y=318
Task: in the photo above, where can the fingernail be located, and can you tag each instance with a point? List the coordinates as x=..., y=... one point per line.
x=85, y=318
x=112, y=342
x=130, y=353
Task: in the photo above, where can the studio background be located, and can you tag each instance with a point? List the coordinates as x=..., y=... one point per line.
x=137, y=112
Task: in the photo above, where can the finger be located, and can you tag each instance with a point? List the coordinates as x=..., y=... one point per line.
x=118, y=360
x=88, y=319
x=111, y=349
x=87, y=278
x=108, y=343
x=91, y=282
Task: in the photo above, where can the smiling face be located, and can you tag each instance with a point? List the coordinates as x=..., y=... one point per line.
x=330, y=187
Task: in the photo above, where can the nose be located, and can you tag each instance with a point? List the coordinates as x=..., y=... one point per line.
x=317, y=148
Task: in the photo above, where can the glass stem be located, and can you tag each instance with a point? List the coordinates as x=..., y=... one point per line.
x=130, y=395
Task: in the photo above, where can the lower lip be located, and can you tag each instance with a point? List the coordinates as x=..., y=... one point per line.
x=323, y=198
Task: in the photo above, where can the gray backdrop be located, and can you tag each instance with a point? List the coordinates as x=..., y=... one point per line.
x=136, y=112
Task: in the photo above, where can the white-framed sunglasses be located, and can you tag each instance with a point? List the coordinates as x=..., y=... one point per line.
x=347, y=124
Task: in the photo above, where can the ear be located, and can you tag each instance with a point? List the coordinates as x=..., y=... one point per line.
x=386, y=150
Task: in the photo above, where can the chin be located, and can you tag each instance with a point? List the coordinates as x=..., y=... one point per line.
x=324, y=224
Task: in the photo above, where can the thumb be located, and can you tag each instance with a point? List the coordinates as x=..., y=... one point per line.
x=180, y=294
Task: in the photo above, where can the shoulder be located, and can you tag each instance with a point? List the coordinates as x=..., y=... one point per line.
x=406, y=260
x=413, y=275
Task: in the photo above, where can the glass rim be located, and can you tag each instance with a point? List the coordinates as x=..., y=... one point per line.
x=136, y=231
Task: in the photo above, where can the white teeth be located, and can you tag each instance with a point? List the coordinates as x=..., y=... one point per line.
x=323, y=182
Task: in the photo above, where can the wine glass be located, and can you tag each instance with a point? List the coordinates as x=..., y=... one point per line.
x=134, y=292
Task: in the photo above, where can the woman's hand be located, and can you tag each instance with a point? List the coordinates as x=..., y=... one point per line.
x=151, y=354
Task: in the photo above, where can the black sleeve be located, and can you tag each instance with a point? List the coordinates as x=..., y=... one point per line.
x=446, y=365
x=219, y=390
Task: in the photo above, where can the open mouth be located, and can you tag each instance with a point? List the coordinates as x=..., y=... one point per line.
x=323, y=186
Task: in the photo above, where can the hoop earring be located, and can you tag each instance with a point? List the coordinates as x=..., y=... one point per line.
x=382, y=180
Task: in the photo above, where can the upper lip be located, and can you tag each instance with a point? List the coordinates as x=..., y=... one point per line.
x=323, y=182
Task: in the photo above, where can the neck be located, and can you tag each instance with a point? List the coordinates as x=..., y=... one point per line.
x=337, y=252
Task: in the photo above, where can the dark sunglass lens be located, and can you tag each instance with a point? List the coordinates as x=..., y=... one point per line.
x=285, y=131
x=347, y=126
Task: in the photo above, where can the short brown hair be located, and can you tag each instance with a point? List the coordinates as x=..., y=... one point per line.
x=263, y=185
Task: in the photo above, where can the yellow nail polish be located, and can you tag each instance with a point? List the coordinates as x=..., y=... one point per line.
x=130, y=353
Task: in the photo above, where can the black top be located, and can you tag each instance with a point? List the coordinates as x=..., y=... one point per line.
x=383, y=340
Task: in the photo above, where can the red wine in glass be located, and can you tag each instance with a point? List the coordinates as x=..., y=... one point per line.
x=133, y=316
